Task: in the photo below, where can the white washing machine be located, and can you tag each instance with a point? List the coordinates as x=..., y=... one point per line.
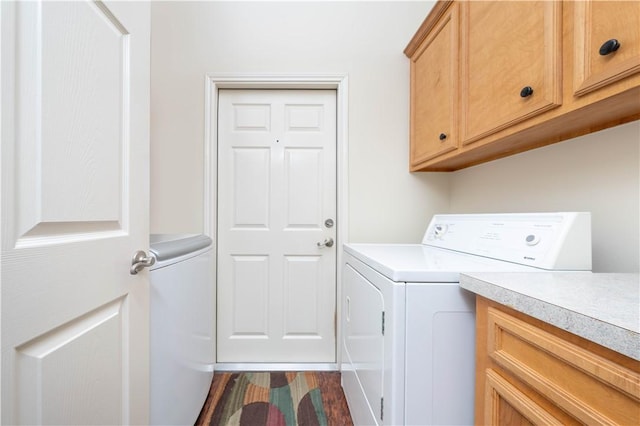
x=408, y=350
x=182, y=327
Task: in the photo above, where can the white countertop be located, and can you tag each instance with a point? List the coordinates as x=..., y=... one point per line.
x=602, y=308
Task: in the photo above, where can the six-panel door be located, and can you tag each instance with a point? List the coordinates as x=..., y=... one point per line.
x=276, y=190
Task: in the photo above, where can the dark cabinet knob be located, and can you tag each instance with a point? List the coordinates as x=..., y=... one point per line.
x=526, y=91
x=442, y=136
x=609, y=46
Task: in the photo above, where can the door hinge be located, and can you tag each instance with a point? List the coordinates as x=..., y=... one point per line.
x=382, y=408
x=383, y=323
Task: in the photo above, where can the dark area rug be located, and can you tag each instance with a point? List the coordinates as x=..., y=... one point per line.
x=275, y=399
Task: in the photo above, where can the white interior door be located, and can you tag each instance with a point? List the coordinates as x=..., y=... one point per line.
x=75, y=164
x=276, y=202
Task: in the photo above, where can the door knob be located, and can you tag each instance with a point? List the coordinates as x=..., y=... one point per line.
x=328, y=242
x=140, y=261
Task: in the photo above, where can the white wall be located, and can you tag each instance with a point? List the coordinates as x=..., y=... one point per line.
x=599, y=173
x=362, y=39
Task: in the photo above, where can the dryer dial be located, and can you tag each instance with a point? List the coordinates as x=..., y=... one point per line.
x=439, y=230
x=532, y=239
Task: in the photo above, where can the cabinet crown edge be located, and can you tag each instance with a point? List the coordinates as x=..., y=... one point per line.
x=427, y=25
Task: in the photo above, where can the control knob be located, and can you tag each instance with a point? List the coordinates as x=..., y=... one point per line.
x=532, y=239
x=439, y=230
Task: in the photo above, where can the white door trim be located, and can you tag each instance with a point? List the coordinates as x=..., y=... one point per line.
x=339, y=82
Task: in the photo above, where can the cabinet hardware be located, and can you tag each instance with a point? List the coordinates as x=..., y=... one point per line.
x=526, y=91
x=442, y=136
x=609, y=46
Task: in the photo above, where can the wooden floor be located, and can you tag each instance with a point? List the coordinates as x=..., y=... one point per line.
x=336, y=408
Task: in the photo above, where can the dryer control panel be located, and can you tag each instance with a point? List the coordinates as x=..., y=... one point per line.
x=554, y=241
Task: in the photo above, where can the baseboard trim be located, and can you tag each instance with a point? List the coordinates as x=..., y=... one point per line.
x=252, y=366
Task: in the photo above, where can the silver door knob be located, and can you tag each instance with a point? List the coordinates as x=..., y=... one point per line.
x=140, y=261
x=328, y=242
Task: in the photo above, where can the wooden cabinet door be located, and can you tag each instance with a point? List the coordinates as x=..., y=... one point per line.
x=530, y=372
x=595, y=23
x=505, y=404
x=505, y=47
x=434, y=81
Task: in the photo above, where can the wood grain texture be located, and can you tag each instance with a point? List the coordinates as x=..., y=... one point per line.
x=549, y=375
x=497, y=65
x=506, y=405
x=584, y=93
x=434, y=71
x=427, y=25
x=595, y=23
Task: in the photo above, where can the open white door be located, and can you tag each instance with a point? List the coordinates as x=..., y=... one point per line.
x=75, y=166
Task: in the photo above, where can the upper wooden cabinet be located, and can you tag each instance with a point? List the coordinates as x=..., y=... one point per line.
x=511, y=64
x=495, y=78
x=434, y=70
x=606, y=48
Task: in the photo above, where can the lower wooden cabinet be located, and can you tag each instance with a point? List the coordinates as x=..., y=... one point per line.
x=531, y=373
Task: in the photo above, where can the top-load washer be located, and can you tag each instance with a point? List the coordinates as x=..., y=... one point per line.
x=408, y=350
x=182, y=339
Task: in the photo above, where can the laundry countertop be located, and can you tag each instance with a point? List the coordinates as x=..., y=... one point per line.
x=602, y=308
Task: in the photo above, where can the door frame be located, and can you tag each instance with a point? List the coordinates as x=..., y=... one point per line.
x=338, y=82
